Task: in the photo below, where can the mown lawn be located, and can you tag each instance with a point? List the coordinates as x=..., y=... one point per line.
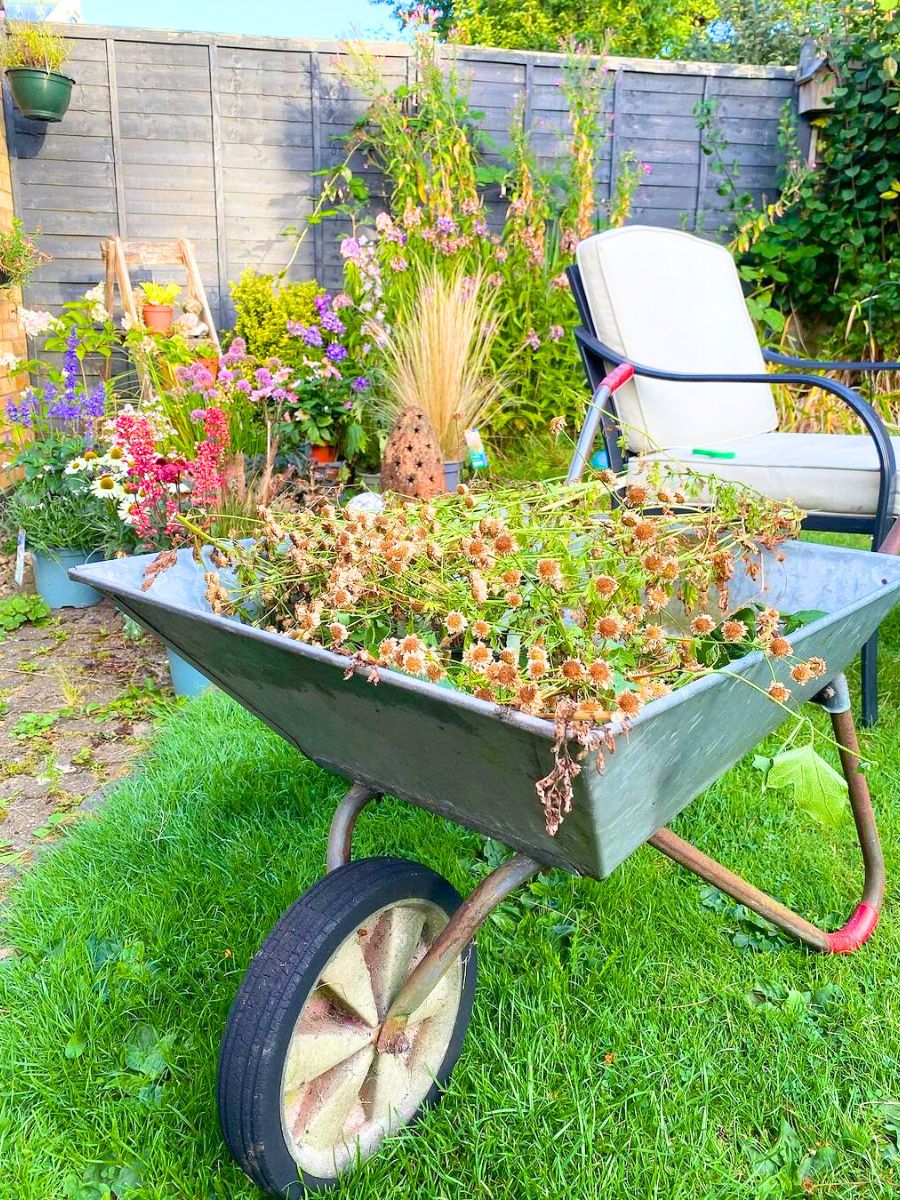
x=618, y=1047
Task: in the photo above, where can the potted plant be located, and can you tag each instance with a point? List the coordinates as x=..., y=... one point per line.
x=438, y=358
x=158, y=305
x=32, y=57
x=207, y=356
x=19, y=255
x=59, y=502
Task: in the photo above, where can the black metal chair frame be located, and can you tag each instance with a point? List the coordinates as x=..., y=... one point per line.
x=598, y=358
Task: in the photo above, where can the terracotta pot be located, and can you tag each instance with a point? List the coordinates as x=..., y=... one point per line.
x=211, y=364
x=323, y=454
x=158, y=317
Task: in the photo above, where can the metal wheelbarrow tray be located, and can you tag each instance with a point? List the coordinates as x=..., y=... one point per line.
x=353, y=1012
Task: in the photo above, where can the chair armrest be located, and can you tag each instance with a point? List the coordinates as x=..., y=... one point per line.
x=875, y=427
x=815, y=364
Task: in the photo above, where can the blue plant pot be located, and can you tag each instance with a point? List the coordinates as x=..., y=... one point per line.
x=186, y=680
x=51, y=578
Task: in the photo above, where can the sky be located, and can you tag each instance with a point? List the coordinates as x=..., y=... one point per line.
x=268, y=18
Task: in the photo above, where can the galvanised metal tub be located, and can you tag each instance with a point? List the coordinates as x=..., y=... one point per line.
x=477, y=763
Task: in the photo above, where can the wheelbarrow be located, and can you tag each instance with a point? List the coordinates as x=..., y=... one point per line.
x=353, y=1013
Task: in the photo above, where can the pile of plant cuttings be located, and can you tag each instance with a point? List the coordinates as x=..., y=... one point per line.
x=541, y=597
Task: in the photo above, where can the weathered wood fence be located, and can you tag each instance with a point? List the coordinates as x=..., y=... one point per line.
x=216, y=138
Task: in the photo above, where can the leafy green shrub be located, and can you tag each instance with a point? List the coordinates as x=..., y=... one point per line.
x=830, y=254
x=264, y=305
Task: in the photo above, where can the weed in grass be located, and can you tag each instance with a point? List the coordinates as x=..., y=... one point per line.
x=33, y=725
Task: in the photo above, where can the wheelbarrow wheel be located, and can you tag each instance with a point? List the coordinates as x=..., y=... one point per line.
x=304, y=1094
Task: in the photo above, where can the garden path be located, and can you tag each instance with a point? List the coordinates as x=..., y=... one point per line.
x=78, y=694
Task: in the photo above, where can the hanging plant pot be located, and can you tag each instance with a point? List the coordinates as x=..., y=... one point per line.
x=40, y=95
x=158, y=317
x=323, y=454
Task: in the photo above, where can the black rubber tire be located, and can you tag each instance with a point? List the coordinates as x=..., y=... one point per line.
x=274, y=989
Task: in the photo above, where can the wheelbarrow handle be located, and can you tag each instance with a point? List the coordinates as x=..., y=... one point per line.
x=588, y=435
x=861, y=925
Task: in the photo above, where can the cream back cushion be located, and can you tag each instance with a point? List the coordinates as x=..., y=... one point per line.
x=670, y=300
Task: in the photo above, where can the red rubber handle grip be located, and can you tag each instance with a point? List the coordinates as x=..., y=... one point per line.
x=858, y=929
x=619, y=375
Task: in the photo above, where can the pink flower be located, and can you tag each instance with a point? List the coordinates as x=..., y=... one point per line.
x=556, y=333
x=531, y=339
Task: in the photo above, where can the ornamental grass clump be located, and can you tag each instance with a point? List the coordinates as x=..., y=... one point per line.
x=529, y=597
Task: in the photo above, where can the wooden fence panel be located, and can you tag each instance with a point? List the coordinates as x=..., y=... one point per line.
x=218, y=139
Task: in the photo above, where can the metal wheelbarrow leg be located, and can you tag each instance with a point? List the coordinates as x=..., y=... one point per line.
x=859, y=928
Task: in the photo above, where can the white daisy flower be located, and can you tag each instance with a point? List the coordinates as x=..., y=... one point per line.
x=76, y=466
x=107, y=488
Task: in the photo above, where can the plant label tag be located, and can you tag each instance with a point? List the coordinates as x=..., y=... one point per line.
x=478, y=458
x=20, y=558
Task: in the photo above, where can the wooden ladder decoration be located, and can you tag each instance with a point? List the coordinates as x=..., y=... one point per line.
x=121, y=257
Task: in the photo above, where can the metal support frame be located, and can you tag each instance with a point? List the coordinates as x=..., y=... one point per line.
x=493, y=890
x=835, y=699
x=453, y=938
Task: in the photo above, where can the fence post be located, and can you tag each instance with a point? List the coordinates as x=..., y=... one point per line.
x=225, y=313
x=315, y=89
x=116, y=132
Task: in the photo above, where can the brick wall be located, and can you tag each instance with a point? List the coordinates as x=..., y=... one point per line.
x=12, y=339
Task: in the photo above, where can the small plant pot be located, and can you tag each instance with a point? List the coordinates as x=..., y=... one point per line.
x=6, y=280
x=452, y=475
x=158, y=317
x=323, y=454
x=211, y=365
x=51, y=578
x=186, y=680
x=40, y=95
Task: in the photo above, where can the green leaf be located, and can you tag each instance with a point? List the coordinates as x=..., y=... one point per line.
x=147, y=1053
x=77, y=1043
x=819, y=789
x=804, y=616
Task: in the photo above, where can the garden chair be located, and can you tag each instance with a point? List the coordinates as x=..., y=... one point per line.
x=670, y=304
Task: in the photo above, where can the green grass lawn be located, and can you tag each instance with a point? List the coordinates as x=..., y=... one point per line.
x=615, y=1050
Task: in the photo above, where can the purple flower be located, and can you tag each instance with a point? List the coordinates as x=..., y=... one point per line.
x=360, y=384
x=350, y=249
x=264, y=377
x=70, y=366
x=236, y=352
x=445, y=225
x=322, y=303
x=23, y=413
x=480, y=229
x=95, y=401
x=312, y=335
x=198, y=414
x=333, y=323
x=243, y=385
x=556, y=333
x=295, y=328
x=336, y=352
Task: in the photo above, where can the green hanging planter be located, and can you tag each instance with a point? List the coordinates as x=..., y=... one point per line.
x=40, y=95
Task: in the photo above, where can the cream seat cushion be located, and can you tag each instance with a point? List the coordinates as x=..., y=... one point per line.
x=820, y=472
x=670, y=300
